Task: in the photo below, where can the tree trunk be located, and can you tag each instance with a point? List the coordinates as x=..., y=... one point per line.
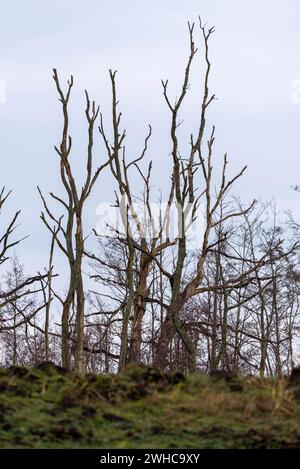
x=127, y=310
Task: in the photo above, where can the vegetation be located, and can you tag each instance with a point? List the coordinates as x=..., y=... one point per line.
x=176, y=321
x=182, y=275
x=143, y=407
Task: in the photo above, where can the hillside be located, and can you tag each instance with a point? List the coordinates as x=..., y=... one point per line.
x=144, y=408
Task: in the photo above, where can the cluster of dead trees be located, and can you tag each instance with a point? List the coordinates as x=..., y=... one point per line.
x=197, y=283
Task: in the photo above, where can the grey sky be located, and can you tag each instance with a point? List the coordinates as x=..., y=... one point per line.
x=256, y=57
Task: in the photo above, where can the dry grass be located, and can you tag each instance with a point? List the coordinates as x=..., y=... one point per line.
x=145, y=408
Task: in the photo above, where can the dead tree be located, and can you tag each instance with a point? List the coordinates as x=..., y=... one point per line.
x=134, y=230
x=69, y=236
x=187, y=201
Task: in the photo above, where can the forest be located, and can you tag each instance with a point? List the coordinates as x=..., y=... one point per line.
x=200, y=283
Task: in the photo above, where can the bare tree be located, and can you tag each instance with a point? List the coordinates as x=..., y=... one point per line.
x=16, y=287
x=69, y=237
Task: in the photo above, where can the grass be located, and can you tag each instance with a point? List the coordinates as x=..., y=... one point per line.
x=145, y=408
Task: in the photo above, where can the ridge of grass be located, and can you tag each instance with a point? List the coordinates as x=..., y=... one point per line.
x=145, y=408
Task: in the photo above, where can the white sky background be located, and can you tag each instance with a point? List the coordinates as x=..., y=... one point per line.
x=256, y=57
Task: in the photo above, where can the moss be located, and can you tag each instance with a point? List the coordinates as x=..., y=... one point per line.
x=46, y=408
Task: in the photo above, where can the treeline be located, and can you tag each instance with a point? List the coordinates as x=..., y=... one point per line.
x=200, y=282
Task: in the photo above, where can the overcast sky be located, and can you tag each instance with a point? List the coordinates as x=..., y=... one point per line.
x=256, y=61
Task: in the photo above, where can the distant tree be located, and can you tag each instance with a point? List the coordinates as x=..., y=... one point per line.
x=16, y=287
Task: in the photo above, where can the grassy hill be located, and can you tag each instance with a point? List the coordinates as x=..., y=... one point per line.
x=145, y=408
